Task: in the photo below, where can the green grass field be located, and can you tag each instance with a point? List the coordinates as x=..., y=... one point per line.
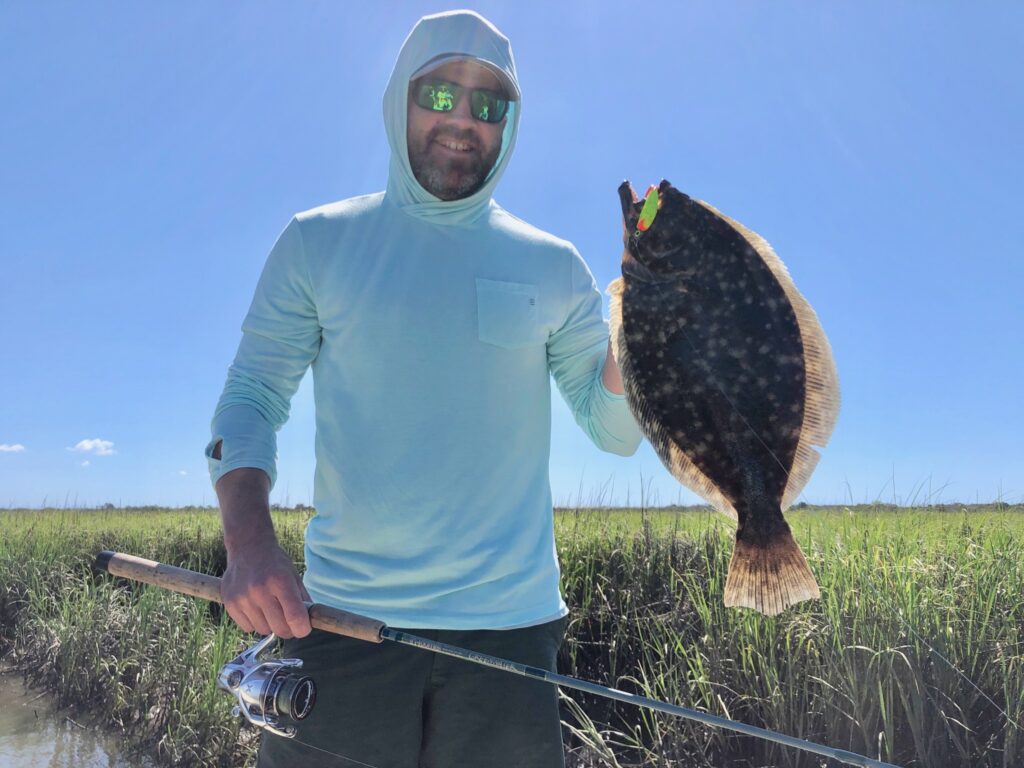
x=914, y=654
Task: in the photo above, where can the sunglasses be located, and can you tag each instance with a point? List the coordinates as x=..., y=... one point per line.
x=442, y=96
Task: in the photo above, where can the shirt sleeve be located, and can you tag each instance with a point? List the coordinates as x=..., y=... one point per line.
x=576, y=355
x=281, y=337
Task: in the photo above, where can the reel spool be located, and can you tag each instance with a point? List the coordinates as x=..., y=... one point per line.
x=271, y=694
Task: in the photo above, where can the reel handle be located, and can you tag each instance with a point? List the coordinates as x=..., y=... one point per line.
x=208, y=587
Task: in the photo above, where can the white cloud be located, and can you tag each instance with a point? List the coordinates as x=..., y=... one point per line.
x=85, y=463
x=96, y=447
x=182, y=472
x=16, y=448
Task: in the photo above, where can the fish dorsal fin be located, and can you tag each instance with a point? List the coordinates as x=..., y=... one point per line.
x=675, y=461
x=821, y=398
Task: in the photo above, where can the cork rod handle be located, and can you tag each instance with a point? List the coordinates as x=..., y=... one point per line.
x=208, y=587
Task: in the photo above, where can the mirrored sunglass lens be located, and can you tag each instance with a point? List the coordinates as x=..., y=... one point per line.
x=436, y=96
x=488, y=107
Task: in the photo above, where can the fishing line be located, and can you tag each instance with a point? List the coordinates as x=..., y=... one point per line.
x=332, y=754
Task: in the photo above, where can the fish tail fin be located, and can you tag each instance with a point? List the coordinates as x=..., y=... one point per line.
x=769, y=574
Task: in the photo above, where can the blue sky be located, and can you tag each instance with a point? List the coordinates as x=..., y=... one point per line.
x=151, y=153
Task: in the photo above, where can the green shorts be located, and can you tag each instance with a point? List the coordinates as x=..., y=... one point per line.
x=387, y=705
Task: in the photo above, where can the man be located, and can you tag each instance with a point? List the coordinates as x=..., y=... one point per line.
x=433, y=321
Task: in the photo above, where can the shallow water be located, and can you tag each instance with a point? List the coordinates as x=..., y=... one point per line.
x=35, y=734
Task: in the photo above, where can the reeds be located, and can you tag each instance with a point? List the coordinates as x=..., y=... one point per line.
x=914, y=654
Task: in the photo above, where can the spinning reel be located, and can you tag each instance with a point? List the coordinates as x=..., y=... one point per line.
x=269, y=692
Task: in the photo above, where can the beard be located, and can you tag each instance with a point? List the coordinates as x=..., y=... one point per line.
x=450, y=178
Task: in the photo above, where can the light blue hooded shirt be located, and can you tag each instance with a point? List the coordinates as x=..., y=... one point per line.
x=433, y=329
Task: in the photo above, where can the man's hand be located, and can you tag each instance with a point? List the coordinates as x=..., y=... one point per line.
x=260, y=588
x=263, y=592
x=610, y=374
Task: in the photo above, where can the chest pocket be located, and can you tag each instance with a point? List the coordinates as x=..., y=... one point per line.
x=507, y=314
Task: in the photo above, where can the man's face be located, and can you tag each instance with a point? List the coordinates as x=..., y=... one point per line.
x=451, y=174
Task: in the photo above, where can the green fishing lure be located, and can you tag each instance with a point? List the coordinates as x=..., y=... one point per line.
x=649, y=211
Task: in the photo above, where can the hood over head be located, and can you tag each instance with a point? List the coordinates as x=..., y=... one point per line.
x=435, y=39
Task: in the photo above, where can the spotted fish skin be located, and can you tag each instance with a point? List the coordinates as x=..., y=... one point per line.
x=730, y=378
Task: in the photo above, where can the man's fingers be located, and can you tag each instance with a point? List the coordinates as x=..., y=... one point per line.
x=260, y=618
x=275, y=617
x=268, y=597
x=295, y=614
x=239, y=616
x=240, y=619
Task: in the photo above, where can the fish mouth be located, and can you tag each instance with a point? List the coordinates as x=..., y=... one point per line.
x=632, y=204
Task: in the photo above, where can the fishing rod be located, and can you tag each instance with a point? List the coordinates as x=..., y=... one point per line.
x=272, y=695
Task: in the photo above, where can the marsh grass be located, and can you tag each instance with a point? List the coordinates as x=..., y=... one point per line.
x=913, y=654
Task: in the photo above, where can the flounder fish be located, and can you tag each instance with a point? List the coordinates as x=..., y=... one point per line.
x=729, y=375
